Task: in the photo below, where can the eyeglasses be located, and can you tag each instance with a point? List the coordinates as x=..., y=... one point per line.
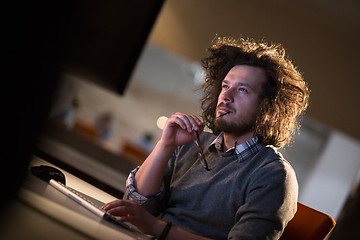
x=203, y=159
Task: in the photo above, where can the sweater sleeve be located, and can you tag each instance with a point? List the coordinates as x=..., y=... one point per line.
x=270, y=203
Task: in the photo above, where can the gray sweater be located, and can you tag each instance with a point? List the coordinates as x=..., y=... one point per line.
x=252, y=197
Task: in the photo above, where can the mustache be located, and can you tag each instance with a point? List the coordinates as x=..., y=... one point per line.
x=226, y=105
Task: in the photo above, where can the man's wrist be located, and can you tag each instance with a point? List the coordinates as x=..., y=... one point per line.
x=157, y=228
x=166, y=230
x=164, y=147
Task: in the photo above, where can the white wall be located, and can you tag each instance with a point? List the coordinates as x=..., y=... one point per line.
x=335, y=173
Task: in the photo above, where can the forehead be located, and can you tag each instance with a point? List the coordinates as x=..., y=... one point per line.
x=246, y=74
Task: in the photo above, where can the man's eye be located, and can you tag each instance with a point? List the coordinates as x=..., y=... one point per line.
x=225, y=86
x=243, y=90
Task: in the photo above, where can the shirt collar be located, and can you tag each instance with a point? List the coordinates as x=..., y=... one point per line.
x=243, y=151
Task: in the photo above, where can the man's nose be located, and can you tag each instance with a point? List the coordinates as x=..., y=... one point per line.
x=228, y=95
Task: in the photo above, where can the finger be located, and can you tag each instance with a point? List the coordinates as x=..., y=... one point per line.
x=117, y=203
x=198, y=121
x=176, y=119
x=190, y=123
x=200, y=125
x=125, y=207
x=122, y=211
x=180, y=122
x=111, y=204
x=197, y=124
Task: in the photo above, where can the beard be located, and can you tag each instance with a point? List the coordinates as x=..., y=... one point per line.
x=237, y=128
x=233, y=123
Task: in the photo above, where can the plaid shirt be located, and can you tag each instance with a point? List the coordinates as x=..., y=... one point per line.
x=244, y=151
x=132, y=194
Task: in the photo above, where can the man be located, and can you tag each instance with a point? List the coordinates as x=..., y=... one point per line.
x=231, y=184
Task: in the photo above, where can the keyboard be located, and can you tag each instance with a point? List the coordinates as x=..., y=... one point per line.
x=83, y=201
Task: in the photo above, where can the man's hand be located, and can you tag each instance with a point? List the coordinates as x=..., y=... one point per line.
x=179, y=130
x=132, y=212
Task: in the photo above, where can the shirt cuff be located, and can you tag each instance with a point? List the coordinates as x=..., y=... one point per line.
x=132, y=193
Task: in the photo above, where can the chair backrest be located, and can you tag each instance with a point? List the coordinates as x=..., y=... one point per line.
x=308, y=224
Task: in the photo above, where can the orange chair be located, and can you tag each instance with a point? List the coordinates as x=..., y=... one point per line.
x=86, y=129
x=308, y=224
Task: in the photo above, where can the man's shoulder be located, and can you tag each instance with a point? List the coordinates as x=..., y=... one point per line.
x=272, y=169
x=270, y=157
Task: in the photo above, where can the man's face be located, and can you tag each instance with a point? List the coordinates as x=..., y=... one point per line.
x=239, y=99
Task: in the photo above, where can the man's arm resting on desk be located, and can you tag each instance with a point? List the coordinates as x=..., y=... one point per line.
x=130, y=211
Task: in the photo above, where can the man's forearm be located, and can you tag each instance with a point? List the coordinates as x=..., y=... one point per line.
x=149, y=177
x=179, y=130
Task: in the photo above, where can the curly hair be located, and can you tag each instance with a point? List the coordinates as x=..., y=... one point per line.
x=283, y=98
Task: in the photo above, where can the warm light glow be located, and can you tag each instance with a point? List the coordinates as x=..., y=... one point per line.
x=161, y=122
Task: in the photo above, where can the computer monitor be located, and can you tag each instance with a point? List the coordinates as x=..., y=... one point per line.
x=99, y=39
x=104, y=39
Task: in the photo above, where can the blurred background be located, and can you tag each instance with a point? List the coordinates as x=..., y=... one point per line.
x=104, y=132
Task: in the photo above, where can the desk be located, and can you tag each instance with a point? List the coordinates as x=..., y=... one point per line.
x=42, y=212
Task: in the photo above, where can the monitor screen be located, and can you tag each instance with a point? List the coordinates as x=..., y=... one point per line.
x=104, y=39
